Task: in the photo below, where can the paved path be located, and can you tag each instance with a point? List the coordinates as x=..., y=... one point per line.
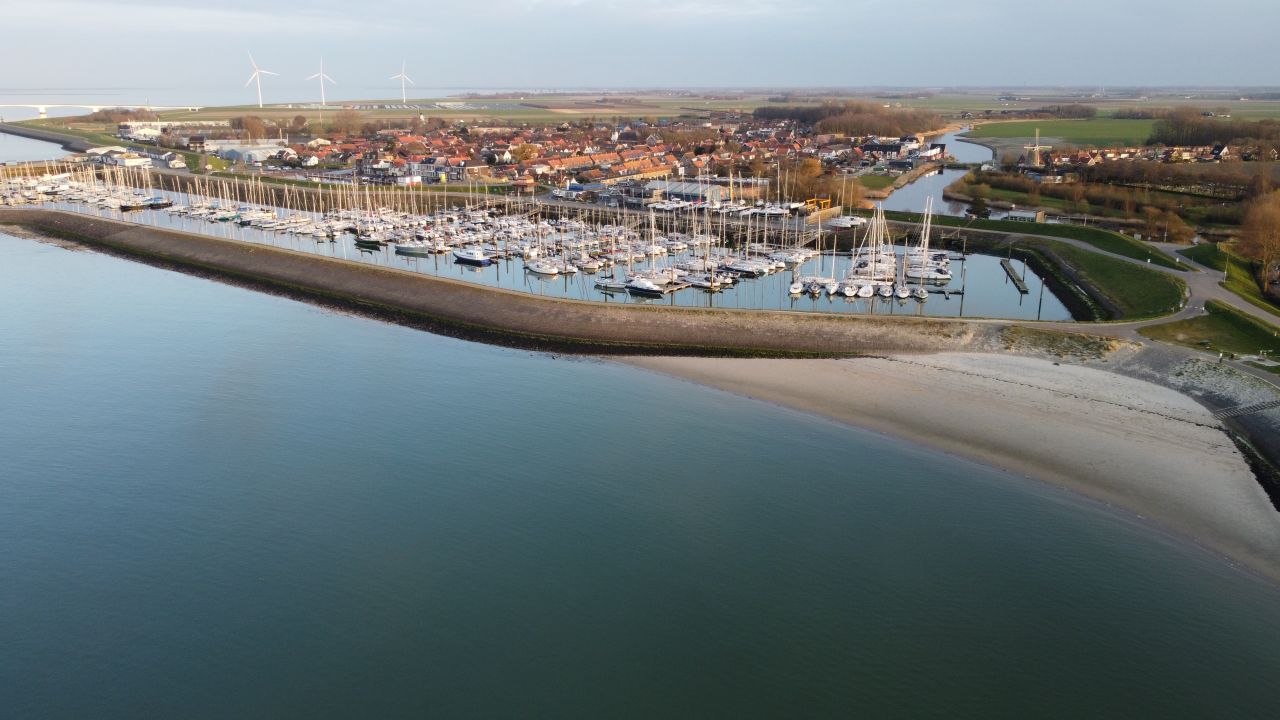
x=1202, y=286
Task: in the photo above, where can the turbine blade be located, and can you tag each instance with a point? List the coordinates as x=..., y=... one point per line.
x=252, y=77
x=313, y=77
x=268, y=72
x=406, y=77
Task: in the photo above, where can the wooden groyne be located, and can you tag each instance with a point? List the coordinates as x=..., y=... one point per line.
x=507, y=317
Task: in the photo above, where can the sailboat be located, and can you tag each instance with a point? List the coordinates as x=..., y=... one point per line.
x=920, y=264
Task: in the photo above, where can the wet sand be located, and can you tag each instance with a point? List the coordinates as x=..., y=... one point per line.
x=1149, y=450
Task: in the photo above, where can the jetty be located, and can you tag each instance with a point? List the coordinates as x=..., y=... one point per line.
x=1018, y=282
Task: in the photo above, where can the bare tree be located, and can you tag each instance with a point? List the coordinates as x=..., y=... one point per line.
x=346, y=121
x=254, y=127
x=1261, y=240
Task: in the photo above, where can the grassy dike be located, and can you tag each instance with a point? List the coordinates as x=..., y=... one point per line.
x=1105, y=240
x=505, y=317
x=1221, y=329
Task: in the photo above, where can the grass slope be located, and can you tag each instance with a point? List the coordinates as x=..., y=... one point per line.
x=1222, y=329
x=1207, y=254
x=1137, y=291
x=1099, y=238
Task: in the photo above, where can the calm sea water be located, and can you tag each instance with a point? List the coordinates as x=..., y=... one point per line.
x=216, y=503
x=19, y=149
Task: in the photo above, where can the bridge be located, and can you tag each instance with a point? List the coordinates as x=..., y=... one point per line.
x=44, y=109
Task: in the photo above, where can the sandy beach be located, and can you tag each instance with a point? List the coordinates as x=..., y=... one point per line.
x=1134, y=445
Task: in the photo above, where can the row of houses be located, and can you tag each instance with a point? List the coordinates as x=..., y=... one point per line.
x=595, y=153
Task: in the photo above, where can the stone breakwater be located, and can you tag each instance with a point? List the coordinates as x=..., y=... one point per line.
x=488, y=314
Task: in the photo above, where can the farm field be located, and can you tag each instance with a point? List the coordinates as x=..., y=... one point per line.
x=1100, y=132
x=532, y=108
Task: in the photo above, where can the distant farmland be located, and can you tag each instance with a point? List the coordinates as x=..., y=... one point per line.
x=1098, y=132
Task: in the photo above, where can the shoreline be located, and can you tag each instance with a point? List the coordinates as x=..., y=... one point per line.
x=1146, y=450
x=978, y=390
x=502, y=316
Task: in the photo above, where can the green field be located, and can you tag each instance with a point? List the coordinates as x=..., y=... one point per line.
x=978, y=103
x=876, y=182
x=1223, y=329
x=533, y=108
x=1100, y=132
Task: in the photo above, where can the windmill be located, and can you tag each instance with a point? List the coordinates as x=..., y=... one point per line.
x=322, y=78
x=256, y=77
x=1034, y=158
x=402, y=77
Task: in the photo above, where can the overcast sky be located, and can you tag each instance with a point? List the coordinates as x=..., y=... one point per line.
x=199, y=46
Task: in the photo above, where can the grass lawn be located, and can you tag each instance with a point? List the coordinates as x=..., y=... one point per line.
x=1223, y=329
x=1207, y=254
x=1137, y=291
x=876, y=182
x=1242, y=281
x=1098, y=132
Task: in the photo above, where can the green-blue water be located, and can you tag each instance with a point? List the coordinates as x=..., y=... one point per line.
x=216, y=503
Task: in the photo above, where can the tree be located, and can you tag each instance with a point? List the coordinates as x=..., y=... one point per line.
x=1176, y=229
x=524, y=153
x=346, y=121
x=299, y=122
x=1261, y=238
x=1151, y=215
x=254, y=127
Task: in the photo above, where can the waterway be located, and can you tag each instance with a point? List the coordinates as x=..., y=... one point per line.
x=912, y=197
x=218, y=503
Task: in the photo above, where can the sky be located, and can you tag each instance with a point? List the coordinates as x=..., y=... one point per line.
x=194, y=51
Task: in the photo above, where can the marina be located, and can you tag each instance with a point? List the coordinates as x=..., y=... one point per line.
x=687, y=257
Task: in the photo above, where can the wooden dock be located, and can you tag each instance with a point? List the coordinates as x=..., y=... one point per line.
x=1013, y=275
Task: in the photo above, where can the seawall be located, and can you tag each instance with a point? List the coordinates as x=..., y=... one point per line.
x=506, y=317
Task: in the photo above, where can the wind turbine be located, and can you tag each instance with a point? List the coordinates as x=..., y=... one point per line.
x=322, y=77
x=256, y=77
x=402, y=77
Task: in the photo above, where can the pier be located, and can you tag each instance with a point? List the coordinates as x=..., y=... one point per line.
x=1013, y=275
